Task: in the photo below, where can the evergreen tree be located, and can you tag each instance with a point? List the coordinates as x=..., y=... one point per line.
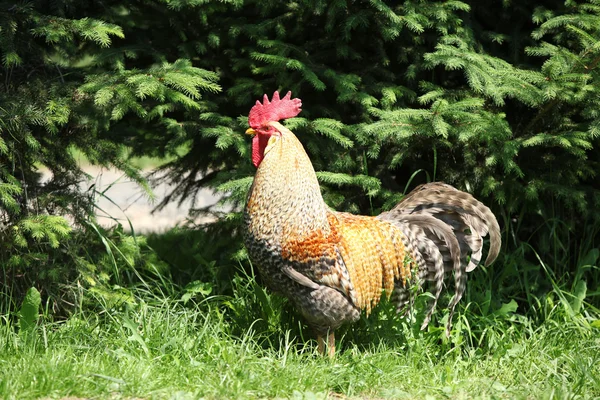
x=488, y=96
x=66, y=90
x=498, y=98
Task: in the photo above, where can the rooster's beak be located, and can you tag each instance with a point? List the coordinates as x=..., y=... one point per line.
x=250, y=131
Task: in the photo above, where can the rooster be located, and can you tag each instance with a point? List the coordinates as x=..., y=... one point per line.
x=333, y=265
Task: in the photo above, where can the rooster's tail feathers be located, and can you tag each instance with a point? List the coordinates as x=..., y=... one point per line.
x=443, y=226
x=461, y=211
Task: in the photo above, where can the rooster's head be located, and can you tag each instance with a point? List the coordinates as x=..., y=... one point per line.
x=261, y=117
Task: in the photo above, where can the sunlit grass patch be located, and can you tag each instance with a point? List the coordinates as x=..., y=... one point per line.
x=157, y=347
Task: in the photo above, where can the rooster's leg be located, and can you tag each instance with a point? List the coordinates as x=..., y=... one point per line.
x=321, y=345
x=331, y=344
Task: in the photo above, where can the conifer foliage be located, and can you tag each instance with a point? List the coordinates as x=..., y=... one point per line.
x=67, y=89
x=498, y=98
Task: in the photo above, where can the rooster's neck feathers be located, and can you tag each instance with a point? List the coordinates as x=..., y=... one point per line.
x=286, y=186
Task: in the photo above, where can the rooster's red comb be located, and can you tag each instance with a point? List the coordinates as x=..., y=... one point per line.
x=274, y=110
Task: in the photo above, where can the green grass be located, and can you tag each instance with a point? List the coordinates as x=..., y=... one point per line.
x=159, y=348
x=198, y=325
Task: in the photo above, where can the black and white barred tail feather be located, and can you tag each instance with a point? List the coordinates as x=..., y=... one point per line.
x=459, y=210
x=434, y=250
x=443, y=226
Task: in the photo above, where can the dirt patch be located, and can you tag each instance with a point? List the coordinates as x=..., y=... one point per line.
x=125, y=202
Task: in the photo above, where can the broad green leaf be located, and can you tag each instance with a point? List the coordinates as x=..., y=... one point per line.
x=29, y=312
x=579, y=296
x=507, y=308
